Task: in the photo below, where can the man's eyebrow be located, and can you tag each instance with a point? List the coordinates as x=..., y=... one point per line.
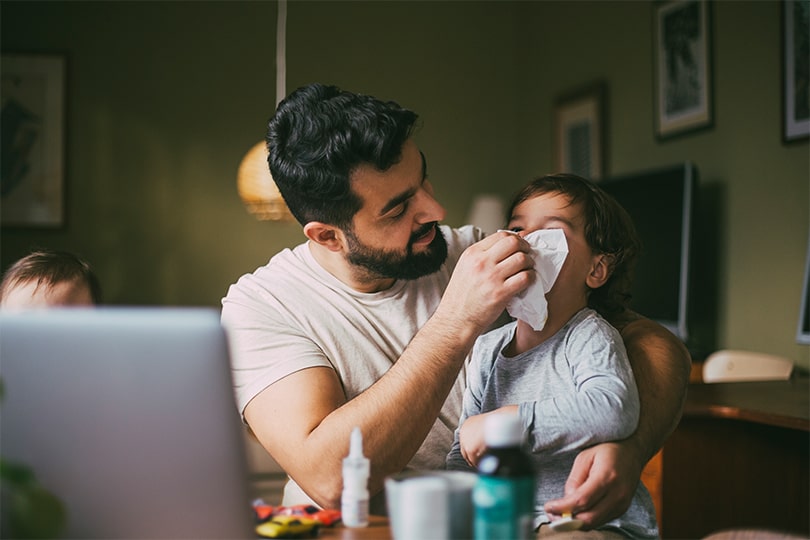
x=397, y=200
x=407, y=194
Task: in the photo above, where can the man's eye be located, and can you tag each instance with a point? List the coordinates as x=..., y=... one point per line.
x=399, y=211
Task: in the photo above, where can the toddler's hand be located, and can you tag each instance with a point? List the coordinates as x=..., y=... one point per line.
x=471, y=436
x=471, y=439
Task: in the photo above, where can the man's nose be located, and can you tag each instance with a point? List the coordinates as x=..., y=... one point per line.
x=429, y=208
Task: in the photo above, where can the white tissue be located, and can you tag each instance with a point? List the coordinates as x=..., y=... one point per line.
x=549, y=250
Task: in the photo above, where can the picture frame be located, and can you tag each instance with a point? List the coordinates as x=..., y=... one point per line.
x=795, y=70
x=683, y=67
x=579, y=131
x=32, y=113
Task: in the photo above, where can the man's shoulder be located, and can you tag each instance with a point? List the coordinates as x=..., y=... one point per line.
x=281, y=272
x=639, y=331
x=626, y=318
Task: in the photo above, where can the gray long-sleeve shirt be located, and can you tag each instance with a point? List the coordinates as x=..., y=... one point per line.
x=574, y=390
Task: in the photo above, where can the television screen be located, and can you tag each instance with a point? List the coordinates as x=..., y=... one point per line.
x=661, y=204
x=803, y=331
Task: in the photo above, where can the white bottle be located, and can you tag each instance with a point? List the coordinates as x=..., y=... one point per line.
x=354, y=500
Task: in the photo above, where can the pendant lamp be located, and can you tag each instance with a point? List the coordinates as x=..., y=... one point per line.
x=258, y=191
x=255, y=184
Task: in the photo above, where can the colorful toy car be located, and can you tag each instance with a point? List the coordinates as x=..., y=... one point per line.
x=288, y=527
x=325, y=516
x=263, y=511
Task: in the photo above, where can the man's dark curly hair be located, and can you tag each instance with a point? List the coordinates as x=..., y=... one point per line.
x=319, y=135
x=608, y=230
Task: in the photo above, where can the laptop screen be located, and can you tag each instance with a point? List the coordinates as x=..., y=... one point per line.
x=127, y=416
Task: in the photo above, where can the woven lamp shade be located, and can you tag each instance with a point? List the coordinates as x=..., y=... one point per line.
x=257, y=189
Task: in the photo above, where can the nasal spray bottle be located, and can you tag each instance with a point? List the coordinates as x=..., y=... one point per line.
x=354, y=500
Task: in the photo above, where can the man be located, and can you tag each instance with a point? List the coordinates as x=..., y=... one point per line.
x=370, y=321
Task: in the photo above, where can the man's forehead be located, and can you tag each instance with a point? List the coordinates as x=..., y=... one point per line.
x=381, y=187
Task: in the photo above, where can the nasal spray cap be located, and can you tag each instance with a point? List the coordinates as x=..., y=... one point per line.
x=354, y=500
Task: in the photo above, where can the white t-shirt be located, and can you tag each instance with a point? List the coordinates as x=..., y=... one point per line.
x=291, y=314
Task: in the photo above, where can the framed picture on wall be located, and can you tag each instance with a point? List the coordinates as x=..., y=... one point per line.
x=579, y=131
x=32, y=168
x=683, y=67
x=796, y=69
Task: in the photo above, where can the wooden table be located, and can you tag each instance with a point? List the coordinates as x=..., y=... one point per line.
x=377, y=529
x=739, y=458
x=783, y=404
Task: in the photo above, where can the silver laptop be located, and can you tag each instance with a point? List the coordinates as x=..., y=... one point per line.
x=127, y=415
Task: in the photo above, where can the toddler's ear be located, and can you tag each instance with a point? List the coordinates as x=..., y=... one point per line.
x=600, y=271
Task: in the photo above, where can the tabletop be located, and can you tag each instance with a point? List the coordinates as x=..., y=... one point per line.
x=777, y=403
x=377, y=529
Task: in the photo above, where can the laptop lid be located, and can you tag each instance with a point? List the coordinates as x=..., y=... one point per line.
x=128, y=416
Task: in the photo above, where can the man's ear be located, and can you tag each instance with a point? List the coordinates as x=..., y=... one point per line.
x=324, y=235
x=600, y=271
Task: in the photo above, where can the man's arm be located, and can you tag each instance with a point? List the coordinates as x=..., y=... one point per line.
x=661, y=364
x=604, y=478
x=304, y=420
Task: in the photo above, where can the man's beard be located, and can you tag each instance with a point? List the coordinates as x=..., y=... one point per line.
x=380, y=263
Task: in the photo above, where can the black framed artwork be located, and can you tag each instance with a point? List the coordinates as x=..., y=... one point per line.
x=579, y=131
x=32, y=166
x=683, y=67
x=795, y=70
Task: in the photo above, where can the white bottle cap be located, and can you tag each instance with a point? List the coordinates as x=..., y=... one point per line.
x=503, y=429
x=355, y=465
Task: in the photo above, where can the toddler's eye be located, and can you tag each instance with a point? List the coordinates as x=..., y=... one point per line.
x=516, y=229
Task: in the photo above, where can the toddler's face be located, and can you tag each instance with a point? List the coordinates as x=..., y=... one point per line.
x=554, y=211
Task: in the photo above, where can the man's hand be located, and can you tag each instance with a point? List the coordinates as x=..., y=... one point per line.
x=601, y=484
x=488, y=274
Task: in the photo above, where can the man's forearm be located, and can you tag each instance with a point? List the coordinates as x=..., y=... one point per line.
x=395, y=414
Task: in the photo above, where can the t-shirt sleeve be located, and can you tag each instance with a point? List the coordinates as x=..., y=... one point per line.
x=604, y=405
x=265, y=345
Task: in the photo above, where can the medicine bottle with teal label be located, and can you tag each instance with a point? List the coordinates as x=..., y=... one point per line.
x=504, y=494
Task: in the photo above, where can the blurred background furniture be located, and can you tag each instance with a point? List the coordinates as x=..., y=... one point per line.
x=734, y=365
x=267, y=478
x=752, y=534
x=739, y=459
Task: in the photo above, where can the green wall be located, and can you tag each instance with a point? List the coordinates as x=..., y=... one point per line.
x=164, y=99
